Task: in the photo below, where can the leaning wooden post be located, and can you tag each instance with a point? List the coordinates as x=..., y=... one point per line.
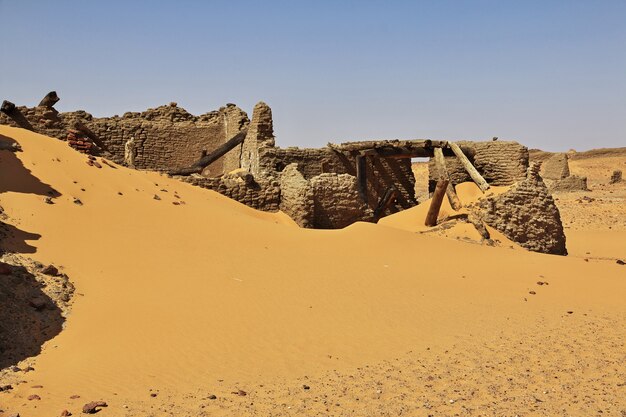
x=435, y=202
x=476, y=177
x=440, y=163
x=49, y=100
x=361, y=176
x=14, y=113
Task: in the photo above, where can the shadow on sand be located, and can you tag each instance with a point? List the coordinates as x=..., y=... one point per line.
x=28, y=316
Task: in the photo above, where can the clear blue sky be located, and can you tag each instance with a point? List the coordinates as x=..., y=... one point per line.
x=549, y=74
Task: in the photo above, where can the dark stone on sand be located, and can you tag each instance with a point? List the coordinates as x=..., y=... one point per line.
x=34, y=397
x=93, y=407
x=51, y=270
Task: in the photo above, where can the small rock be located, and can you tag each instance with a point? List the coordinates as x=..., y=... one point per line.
x=6, y=387
x=33, y=397
x=15, y=368
x=51, y=270
x=65, y=413
x=306, y=387
x=240, y=392
x=48, y=200
x=212, y=397
x=153, y=394
x=14, y=415
x=539, y=282
x=37, y=386
x=569, y=312
x=28, y=369
x=73, y=397
x=532, y=292
x=620, y=262
x=93, y=407
x=77, y=201
x=156, y=197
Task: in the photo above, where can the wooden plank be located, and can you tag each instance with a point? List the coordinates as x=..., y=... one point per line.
x=471, y=170
x=49, y=100
x=385, y=202
x=440, y=163
x=435, y=203
x=361, y=176
x=207, y=160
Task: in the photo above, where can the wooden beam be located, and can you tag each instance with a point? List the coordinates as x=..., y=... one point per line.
x=49, y=100
x=385, y=202
x=471, y=170
x=361, y=176
x=435, y=203
x=440, y=163
x=14, y=113
x=207, y=160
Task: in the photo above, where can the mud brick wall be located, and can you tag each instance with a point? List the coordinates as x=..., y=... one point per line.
x=336, y=201
x=527, y=214
x=296, y=196
x=162, y=139
x=259, y=194
x=555, y=167
x=499, y=162
x=381, y=172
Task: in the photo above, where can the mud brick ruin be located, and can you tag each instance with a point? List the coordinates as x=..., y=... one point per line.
x=329, y=187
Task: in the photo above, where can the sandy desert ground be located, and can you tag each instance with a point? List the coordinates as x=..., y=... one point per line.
x=191, y=304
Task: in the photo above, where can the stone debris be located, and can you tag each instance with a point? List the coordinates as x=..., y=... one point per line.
x=79, y=141
x=93, y=407
x=34, y=397
x=616, y=177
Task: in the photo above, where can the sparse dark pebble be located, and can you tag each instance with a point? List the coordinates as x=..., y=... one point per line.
x=212, y=397
x=48, y=200
x=6, y=387
x=306, y=387
x=50, y=270
x=92, y=407
x=532, y=292
x=77, y=201
x=156, y=197
x=153, y=394
x=73, y=397
x=570, y=312
x=620, y=262
x=34, y=397
x=65, y=413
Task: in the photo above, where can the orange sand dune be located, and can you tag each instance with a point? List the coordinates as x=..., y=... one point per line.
x=213, y=295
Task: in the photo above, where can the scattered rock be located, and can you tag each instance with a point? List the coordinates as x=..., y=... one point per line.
x=6, y=387
x=93, y=407
x=77, y=201
x=28, y=369
x=51, y=270
x=34, y=397
x=240, y=392
x=532, y=292
x=306, y=387
x=570, y=312
x=616, y=177
x=153, y=394
x=620, y=262
x=156, y=197
x=48, y=200
x=73, y=397
x=65, y=413
x=212, y=397
x=37, y=386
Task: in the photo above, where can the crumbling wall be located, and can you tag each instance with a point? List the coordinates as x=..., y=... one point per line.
x=297, y=196
x=162, y=139
x=336, y=201
x=260, y=136
x=259, y=194
x=499, y=162
x=555, y=167
x=526, y=214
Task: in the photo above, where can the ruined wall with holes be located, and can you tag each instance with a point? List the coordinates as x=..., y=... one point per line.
x=162, y=139
x=499, y=162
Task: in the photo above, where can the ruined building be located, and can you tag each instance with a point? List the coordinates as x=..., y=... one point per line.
x=329, y=187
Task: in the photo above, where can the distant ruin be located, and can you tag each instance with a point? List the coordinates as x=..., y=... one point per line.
x=330, y=187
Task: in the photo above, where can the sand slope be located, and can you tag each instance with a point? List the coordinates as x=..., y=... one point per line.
x=212, y=296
